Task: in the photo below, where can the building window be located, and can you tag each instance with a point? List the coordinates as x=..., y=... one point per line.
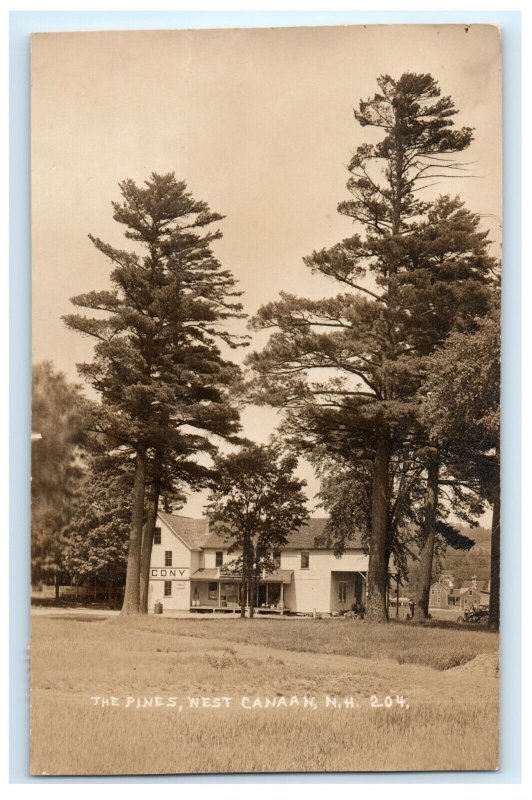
x=305, y=559
x=168, y=588
x=167, y=558
x=157, y=536
x=219, y=558
x=342, y=592
x=213, y=591
x=277, y=559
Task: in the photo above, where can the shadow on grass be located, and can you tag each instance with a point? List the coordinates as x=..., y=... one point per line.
x=445, y=624
x=51, y=602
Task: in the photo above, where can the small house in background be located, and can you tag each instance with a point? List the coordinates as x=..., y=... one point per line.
x=469, y=598
x=472, y=593
x=439, y=594
x=442, y=592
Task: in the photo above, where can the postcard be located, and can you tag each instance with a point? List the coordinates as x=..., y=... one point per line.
x=266, y=269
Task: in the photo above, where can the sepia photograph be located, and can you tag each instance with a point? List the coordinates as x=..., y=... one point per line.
x=265, y=459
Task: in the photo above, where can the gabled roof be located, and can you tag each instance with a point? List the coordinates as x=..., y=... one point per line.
x=302, y=539
x=444, y=586
x=195, y=534
x=192, y=532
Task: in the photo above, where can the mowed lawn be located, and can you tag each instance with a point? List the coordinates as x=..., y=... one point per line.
x=315, y=696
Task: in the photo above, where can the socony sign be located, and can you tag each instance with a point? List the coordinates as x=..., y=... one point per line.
x=169, y=573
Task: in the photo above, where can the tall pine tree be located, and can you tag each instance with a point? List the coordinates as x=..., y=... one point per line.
x=159, y=328
x=409, y=257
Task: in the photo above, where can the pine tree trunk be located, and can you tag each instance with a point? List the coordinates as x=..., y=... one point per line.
x=149, y=531
x=376, y=610
x=244, y=583
x=251, y=598
x=495, y=565
x=243, y=597
x=426, y=555
x=131, y=603
x=147, y=546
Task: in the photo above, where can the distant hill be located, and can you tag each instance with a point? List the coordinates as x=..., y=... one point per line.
x=462, y=564
x=482, y=537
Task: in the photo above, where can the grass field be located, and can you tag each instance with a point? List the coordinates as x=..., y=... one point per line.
x=447, y=677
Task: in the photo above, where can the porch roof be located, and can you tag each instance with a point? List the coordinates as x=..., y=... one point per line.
x=205, y=575
x=217, y=574
x=279, y=576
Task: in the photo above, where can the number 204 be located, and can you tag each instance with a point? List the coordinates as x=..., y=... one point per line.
x=388, y=701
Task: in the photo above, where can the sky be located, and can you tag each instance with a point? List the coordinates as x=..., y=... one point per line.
x=258, y=122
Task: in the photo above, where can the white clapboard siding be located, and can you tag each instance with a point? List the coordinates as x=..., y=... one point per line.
x=182, y=559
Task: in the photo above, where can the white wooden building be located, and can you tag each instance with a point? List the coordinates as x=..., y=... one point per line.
x=191, y=571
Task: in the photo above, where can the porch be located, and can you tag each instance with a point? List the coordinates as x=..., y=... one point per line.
x=212, y=591
x=349, y=590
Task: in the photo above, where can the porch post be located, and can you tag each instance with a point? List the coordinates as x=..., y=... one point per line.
x=219, y=594
x=266, y=594
x=282, y=595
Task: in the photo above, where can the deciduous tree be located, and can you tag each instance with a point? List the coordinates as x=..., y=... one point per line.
x=462, y=404
x=256, y=502
x=59, y=413
x=97, y=534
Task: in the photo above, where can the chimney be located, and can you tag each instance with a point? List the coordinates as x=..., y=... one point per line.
x=474, y=582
